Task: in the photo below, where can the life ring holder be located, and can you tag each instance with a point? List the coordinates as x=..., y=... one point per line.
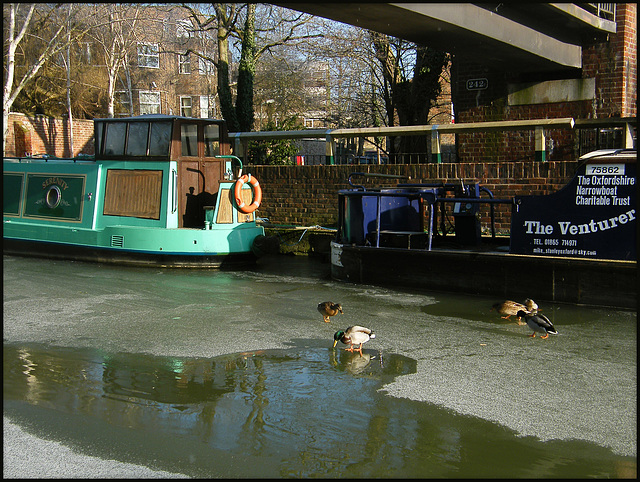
x=257, y=193
x=240, y=181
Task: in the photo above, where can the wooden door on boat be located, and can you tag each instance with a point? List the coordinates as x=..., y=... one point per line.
x=198, y=182
x=199, y=171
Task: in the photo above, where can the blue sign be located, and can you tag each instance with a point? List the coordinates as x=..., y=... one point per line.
x=593, y=216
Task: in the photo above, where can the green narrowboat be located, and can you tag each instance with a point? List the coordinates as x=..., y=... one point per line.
x=160, y=191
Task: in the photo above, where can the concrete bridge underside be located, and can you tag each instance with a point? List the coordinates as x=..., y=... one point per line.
x=517, y=37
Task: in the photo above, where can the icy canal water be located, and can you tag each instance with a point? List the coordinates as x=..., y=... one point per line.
x=233, y=374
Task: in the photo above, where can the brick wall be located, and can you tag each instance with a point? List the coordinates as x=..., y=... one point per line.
x=611, y=62
x=307, y=195
x=46, y=135
x=614, y=66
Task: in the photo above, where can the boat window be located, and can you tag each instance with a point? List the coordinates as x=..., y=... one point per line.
x=189, y=137
x=138, y=137
x=211, y=140
x=160, y=138
x=114, y=139
x=99, y=126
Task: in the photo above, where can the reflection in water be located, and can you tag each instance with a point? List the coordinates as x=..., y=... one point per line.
x=352, y=362
x=245, y=403
x=272, y=413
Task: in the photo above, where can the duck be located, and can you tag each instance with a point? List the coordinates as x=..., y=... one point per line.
x=353, y=335
x=539, y=323
x=511, y=308
x=329, y=308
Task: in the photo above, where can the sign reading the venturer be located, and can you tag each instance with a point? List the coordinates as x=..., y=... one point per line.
x=593, y=216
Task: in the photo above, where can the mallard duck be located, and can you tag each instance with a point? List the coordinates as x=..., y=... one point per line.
x=352, y=336
x=538, y=323
x=329, y=308
x=511, y=308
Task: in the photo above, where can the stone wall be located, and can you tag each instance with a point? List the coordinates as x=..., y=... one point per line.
x=307, y=195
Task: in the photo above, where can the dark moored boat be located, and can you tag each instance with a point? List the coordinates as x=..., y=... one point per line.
x=577, y=245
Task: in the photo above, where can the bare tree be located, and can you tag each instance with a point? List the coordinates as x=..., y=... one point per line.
x=49, y=29
x=414, y=85
x=115, y=40
x=256, y=29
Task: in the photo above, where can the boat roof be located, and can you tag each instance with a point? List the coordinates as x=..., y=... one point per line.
x=610, y=153
x=154, y=117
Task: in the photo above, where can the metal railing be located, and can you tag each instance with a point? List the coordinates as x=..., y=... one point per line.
x=603, y=10
x=624, y=129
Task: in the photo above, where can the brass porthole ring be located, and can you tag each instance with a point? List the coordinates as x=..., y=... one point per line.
x=53, y=197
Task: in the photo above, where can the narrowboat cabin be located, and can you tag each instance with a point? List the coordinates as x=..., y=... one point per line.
x=576, y=245
x=160, y=191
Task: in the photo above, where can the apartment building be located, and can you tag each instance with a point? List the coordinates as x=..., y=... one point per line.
x=170, y=68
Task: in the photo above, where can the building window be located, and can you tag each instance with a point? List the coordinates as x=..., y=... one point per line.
x=205, y=67
x=207, y=106
x=148, y=56
x=184, y=63
x=186, y=106
x=123, y=103
x=149, y=103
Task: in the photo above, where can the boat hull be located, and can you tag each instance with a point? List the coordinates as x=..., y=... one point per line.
x=45, y=249
x=609, y=283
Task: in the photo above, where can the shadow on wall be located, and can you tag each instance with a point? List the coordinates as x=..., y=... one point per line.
x=43, y=135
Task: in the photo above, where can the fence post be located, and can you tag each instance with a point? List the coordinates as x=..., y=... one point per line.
x=436, y=156
x=540, y=145
x=628, y=136
x=330, y=150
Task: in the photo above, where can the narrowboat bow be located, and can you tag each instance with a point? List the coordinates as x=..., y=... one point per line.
x=160, y=191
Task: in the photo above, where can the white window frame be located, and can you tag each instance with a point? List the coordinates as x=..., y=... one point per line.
x=148, y=55
x=207, y=106
x=184, y=100
x=124, y=102
x=184, y=63
x=147, y=105
x=205, y=67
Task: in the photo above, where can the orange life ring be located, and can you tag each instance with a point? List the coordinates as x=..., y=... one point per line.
x=257, y=194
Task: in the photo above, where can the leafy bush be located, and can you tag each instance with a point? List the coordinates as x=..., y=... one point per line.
x=274, y=152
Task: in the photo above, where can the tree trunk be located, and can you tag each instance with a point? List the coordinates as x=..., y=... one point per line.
x=246, y=73
x=224, y=89
x=70, y=119
x=9, y=95
x=127, y=74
